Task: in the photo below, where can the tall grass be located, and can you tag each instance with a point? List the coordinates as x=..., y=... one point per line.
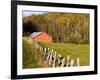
x=29, y=60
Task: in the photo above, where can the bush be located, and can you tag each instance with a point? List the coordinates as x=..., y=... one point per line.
x=26, y=34
x=74, y=38
x=85, y=41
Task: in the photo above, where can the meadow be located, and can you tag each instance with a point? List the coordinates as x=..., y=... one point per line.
x=80, y=51
x=33, y=59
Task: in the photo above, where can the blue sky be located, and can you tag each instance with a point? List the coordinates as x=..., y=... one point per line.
x=29, y=13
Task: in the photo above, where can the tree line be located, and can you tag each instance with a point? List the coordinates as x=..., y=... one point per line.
x=63, y=27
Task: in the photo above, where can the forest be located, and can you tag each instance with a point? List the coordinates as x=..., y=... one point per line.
x=63, y=27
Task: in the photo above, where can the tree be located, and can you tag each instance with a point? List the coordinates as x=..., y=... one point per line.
x=61, y=26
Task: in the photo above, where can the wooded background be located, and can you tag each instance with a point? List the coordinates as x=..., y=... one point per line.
x=63, y=27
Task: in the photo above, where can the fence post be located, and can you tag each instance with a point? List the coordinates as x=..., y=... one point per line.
x=63, y=62
x=59, y=61
x=54, y=62
x=48, y=56
x=72, y=63
x=68, y=61
x=50, y=60
x=78, y=62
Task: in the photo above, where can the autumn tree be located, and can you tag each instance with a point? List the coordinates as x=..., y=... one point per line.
x=63, y=27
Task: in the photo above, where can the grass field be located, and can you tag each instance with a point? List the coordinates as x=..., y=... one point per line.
x=33, y=59
x=74, y=50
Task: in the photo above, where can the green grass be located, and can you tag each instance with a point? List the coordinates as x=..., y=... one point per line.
x=74, y=50
x=29, y=60
x=31, y=57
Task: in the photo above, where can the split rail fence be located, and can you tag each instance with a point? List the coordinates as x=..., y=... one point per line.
x=56, y=60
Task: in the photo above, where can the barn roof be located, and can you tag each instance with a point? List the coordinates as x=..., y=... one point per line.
x=35, y=34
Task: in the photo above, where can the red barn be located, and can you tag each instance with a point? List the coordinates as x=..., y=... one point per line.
x=41, y=37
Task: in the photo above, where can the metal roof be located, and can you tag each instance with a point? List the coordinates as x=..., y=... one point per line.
x=35, y=34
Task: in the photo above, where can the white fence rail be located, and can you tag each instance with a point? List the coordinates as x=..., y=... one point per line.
x=56, y=60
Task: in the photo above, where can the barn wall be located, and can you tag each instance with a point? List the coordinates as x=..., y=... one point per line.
x=43, y=38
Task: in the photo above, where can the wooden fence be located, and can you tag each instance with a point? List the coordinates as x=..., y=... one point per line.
x=56, y=60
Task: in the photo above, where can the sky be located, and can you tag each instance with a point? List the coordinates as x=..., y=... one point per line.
x=29, y=13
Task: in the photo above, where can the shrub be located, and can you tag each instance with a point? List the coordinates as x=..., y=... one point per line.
x=74, y=38
x=85, y=41
x=26, y=34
